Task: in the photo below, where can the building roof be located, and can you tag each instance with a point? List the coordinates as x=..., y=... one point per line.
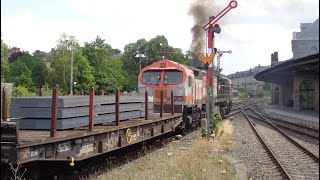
x=250, y=72
x=283, y=72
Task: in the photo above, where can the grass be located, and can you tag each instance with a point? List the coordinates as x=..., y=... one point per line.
x=200, y=160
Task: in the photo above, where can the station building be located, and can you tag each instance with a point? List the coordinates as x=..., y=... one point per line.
x=298, y=75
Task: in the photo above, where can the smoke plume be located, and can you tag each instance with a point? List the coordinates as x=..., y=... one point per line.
x=200, y=10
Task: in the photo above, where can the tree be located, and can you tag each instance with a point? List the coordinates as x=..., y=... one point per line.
x=14, y=56
x=97, y=51
x=60, y=58
x=20, y=75
x=151, y=49
x=116, y=51
x=131, y=63
x=104, y=67
x=82, y=72
x=39, y=54
x=4, y=61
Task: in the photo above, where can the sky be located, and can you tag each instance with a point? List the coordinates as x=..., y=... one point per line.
x=252, y=31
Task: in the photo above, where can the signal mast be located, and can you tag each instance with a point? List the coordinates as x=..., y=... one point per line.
x=211, y=27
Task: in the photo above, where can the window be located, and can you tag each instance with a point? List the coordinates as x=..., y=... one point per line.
x=151, y=77
x=172, y=77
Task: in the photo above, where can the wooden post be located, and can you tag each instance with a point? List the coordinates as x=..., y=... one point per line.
x=117, y=108
x=91, y=109
x=146, y=105
x=4, y=105
x=41, y=92
x=161, y=103
x=172, y=103
x=82, y=92
x=54, y=112
x=102, y=92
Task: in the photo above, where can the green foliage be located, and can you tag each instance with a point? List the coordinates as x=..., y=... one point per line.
x=151, y=49
x=243, y=95
x=20, y=75
x=266, y=86
x=60, y=72
x=21, y=91
x=97, y=52
x=47, y=90
x=38, y=69
x=218, y=124
x=82, y=73
x=93, y=65
x=5, y=69
x=112, y=76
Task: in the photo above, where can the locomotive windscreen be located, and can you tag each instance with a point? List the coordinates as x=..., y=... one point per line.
x=151, y=77
x=172, y=77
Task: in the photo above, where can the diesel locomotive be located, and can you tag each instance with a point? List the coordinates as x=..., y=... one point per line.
x=188, y=85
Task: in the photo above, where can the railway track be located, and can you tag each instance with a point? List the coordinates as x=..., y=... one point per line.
x=93, y=167
x=290, y=160
x=303, y=130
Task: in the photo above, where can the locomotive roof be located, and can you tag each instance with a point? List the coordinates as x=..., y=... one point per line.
x=186, y=66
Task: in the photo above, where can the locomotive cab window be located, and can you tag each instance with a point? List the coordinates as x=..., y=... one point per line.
x=151, y=77
x=172, y=77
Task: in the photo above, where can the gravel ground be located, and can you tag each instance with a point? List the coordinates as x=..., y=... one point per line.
x=311, y=144
x=247, y=150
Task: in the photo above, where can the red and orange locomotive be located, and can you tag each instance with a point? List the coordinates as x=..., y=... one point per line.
x=189, y=89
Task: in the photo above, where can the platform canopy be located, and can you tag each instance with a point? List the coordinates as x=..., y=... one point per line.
x=283, y=72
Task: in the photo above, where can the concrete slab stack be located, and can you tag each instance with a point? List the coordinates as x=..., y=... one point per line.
x=73, y=111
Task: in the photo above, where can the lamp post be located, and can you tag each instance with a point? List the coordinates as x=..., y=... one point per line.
x=140, y=56
x=71, y=66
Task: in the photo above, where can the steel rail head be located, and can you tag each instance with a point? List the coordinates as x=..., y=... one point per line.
x=310, y=154
x=284, y=172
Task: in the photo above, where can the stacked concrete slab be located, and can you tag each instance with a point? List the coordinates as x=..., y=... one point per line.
x=73, y=111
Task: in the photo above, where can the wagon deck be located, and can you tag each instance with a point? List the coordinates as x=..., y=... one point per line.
x=22, y=146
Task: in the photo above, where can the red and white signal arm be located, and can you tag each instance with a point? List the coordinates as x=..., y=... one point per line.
x=232, y=4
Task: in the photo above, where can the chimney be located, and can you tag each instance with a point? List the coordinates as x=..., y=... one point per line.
x=274, y=58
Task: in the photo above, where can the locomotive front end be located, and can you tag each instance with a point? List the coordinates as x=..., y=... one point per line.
x=162, y=77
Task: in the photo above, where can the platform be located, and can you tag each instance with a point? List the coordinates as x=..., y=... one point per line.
x=305, y=115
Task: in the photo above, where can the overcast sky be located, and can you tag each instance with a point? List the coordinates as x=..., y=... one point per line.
x=253, y=30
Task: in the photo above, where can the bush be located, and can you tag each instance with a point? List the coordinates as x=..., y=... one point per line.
x=21, y=91
x=218, y=124
x=243, y=95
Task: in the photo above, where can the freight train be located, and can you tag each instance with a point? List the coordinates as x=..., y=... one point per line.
x=108, y=125
x=188, y=85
